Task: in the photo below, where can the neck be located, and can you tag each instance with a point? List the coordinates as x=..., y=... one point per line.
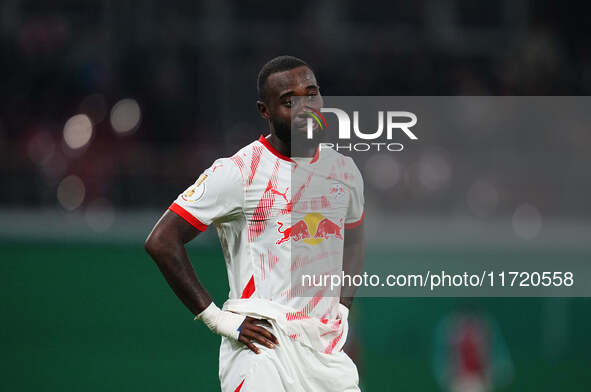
x=285, y=148
x=278, y=144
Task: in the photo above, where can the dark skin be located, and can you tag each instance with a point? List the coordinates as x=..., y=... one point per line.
x=166, y=245
x=166, y=242
x=278, y=107
x=353, y=255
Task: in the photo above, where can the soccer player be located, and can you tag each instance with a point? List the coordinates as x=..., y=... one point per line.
x=277, y=334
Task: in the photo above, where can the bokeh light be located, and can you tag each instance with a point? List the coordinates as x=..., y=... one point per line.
x=55, y=167
x=482, y=198
x=125, y=116
x=41, y=148
x=382, y=171
x=71, y=192
x=434, y=170
x=78, y=131
x=527, y=221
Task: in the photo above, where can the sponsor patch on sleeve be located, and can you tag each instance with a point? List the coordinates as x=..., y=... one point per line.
x=195, y=191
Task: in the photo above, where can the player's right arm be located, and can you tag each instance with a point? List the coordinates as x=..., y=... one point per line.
x=166, y=245
x=191, y=213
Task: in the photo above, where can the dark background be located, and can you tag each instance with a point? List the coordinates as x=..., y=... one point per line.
x=85, y=308
x=191, y=66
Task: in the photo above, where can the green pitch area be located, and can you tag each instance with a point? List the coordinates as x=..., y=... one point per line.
x=101, y=318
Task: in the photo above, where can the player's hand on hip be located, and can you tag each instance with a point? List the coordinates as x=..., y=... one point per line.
x=252, y=330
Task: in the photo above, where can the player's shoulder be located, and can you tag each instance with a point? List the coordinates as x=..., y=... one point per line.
x=245, y=152
x=346, y=168
x=234, y=165
x=333, y=155
x=343, y=161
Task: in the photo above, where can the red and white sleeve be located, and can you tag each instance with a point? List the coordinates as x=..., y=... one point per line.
x=356, y=211
x=217, y=193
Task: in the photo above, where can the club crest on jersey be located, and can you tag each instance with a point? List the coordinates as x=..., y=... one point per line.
x=336, y=190
x=196, y=191
x=313, y=229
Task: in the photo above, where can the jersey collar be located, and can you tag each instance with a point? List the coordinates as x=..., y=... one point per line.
x=273, y=150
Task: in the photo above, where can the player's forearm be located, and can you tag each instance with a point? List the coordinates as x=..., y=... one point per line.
x=173, y=261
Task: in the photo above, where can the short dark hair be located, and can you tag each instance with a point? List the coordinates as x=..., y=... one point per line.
x=278, y=64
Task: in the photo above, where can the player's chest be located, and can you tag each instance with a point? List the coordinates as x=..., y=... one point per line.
x=295, y=194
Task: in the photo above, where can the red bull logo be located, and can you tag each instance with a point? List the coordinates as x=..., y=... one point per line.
x=313, y=229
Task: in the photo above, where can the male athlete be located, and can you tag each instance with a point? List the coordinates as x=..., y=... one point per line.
x=275, y=217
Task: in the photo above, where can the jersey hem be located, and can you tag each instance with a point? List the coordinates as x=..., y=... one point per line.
x=353, y=225
x=180, y=211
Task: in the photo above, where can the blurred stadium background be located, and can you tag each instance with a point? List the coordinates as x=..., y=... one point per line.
x=110, y=109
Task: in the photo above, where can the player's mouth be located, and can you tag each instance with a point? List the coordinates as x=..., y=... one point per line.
x=300, y=123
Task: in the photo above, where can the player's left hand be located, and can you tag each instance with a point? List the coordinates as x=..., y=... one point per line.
x=252, y=330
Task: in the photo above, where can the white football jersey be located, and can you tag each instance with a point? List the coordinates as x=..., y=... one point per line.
x=276, y=219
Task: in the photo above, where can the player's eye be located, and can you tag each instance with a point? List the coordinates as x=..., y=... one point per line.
x=287, y=104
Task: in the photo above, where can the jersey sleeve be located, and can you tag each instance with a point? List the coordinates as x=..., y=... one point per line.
x=355, y=211
x=217, y=194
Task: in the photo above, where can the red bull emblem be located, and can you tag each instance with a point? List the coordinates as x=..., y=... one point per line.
x=313, y=229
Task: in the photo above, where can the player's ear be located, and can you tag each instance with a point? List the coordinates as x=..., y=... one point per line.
x=263, y=110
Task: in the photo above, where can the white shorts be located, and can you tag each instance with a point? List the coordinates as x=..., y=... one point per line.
x=289, y=367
